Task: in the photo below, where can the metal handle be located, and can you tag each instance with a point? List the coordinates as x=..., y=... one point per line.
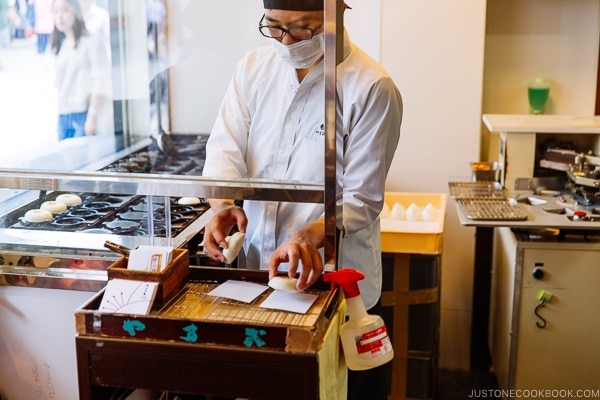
x=117, y=248
x=542, y=322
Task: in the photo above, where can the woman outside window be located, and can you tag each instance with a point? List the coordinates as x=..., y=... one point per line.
x=82, y=73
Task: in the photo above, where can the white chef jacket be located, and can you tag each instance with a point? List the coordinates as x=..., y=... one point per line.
x=270, y=126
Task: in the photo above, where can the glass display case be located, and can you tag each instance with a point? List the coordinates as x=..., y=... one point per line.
x=137, y=179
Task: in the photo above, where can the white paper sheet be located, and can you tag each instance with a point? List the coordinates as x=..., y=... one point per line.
x=238, y=290
x=289, y=301
x=128, y=296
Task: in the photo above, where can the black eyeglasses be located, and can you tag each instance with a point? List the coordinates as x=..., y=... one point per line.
x=277, y=32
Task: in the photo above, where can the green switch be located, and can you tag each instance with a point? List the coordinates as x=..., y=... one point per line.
x=544, y=296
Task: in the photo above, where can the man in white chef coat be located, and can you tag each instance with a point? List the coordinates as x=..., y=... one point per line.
x=271, y=126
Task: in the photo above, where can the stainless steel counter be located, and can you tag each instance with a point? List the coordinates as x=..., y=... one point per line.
x=538, y=216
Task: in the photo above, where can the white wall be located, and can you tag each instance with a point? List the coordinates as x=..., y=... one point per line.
x=433, y=50
x=555, y=39
x=520, y=34
x=37, y=343
x=207, y=39
x=363, y=23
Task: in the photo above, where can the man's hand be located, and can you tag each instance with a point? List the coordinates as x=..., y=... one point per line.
x=302, y=246
x=226, y=216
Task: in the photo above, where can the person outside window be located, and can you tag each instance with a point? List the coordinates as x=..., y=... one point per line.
x=4, y=28
x=82, y=72
x=43, y=23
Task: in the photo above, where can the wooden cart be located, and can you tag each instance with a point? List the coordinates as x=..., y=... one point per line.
x=200, y=344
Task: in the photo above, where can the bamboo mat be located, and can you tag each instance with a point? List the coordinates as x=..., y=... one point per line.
x=193, y=302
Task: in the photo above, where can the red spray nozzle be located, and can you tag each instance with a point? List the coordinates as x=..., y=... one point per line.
x=347, y=279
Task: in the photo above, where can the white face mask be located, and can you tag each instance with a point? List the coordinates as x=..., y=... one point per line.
x=302, y=54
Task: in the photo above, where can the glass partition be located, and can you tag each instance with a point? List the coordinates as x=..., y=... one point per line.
x=148, y=73
x=157, y=71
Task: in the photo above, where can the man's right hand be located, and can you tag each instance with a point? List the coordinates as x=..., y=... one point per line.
x=226, y=216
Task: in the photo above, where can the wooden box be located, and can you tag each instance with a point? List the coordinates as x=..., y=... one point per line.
x=171, y=279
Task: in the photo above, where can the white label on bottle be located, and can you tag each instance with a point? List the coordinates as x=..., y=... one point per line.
x=374, y=343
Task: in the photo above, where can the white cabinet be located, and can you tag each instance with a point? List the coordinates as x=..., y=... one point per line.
x=562, y=357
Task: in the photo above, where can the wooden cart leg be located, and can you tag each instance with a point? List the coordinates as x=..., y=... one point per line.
x=399, y=301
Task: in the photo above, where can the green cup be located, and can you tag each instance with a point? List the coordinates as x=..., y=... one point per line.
x=538, y=92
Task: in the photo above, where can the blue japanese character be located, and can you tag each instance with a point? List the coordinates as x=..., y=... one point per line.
x=131, y=326
x=253, y=337
x=191, y=333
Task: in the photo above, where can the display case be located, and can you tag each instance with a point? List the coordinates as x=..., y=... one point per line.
x=134, y=180
x=126, y=208
x=139, y=178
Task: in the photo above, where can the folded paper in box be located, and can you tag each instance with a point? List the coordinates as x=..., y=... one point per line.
x=171, y=280
x=128, y=297
x=150, y=258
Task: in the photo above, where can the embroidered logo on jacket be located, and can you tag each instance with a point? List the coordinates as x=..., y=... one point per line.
x=317, y=134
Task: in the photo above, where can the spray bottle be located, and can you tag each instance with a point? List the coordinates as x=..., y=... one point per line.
x=364, y=337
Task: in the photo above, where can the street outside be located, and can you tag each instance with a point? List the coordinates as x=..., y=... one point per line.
x=28, y=113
